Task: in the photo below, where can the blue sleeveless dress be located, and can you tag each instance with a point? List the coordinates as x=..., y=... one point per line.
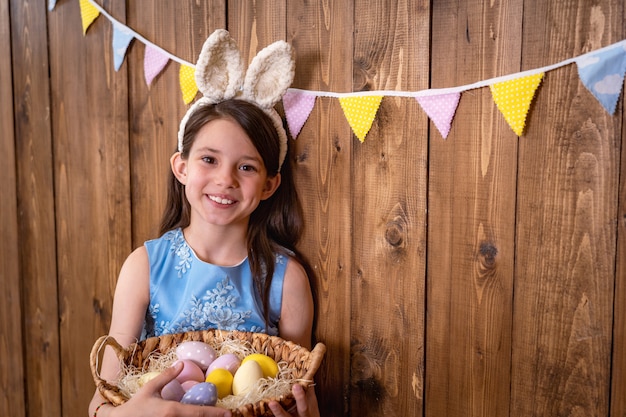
x=188, y=294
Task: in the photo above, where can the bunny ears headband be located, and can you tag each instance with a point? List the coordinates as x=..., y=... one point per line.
x=220, y=76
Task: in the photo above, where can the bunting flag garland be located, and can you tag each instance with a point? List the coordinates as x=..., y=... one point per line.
x=187, y=77
x=603, y=75
x=298, y=106
x=360, y=113
x=513, y=99
x=88, y=13
x=440, y=109
x=153, y=63
x=601, y=71
x=122, y=38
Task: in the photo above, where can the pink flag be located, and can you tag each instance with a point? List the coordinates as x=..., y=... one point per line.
x=298, y=107
x=441, y=110
x=153, y=63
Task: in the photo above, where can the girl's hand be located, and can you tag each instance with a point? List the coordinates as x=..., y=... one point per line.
x=306, y=403
x=148, y=402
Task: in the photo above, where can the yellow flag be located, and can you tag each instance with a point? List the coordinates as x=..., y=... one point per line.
x=188, y=83
x=513, y=98
x=88, y=13
x=360, y=113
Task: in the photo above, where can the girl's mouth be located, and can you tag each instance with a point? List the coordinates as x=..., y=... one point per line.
x=220, y=200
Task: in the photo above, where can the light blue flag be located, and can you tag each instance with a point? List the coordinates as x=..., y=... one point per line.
x=122, y=36
x=603, y=74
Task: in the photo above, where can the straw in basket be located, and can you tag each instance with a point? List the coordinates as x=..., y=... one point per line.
x=304, y=363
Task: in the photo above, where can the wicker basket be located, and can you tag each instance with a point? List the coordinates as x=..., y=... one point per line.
x=303, y=362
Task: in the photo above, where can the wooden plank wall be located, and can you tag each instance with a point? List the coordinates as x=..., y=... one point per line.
x=482, y=275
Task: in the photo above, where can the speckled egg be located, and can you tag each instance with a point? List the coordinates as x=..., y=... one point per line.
x=198, y=352
x=203, y=393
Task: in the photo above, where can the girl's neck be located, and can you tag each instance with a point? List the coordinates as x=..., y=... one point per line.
x=224, y=246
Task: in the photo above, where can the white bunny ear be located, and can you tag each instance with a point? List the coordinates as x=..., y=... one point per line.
x=269, y=75
x=219, y=70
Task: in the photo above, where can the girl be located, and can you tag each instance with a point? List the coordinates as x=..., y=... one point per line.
x=226, y=257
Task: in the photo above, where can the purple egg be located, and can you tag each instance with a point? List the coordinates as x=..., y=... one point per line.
x=203, y=393
x=172, y=391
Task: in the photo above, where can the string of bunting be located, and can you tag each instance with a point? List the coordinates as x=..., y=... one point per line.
x=601, y=72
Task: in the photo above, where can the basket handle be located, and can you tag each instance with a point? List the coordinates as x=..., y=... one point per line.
x=317, y=354
x=95, y=358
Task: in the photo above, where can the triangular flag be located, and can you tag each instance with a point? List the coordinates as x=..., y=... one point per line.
x=51, y=4
x=298, y=107
x=440, y=109
x=603, y=75
x=188, y=83
x=88, y=13
x=122, y=36
x=513, y=98
x=360, y=113
x=153, y=63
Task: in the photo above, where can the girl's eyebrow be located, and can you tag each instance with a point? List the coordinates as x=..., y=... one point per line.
x=217, y=151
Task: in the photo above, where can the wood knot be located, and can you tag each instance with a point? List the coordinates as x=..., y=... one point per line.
x=488, y=253
x=394, y=234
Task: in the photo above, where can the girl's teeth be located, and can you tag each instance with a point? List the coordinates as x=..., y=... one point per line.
x=221, y=200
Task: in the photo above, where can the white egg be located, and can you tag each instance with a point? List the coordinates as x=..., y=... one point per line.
x=246, y=376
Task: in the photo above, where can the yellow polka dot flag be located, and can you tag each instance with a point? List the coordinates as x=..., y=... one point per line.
x=188, y=83
x=360, y=113
x=513, y=99
x=88, y=13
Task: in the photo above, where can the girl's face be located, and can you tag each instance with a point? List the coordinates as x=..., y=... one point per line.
x=224, y=177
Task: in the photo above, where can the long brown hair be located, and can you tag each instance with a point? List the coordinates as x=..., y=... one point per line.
x=277, y=223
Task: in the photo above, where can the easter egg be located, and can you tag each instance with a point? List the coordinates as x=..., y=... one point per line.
x=223, y=381
x=246, y=376
x=172, y=391
x=203, y=393
x=228, y=361
x=198, y=352
x=268, y=365
x=188, y=384
x=143, y=379
x=190, y=372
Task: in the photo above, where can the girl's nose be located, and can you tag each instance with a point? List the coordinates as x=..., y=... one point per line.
x=226, y=176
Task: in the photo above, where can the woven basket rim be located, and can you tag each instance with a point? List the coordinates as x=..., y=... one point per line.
x=112, y=393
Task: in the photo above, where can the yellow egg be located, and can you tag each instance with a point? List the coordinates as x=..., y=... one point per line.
x=246, y=376
x=143, y=379
x=268, y=365
x=223, y=381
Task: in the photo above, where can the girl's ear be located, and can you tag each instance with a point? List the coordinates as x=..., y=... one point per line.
x=271, y=184
x=179, y=167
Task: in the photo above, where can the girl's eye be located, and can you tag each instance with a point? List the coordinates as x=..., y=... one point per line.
x=249, y=168
x=208, y=159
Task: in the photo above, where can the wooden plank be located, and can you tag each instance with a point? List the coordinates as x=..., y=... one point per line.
x=566, y=234
x=618, y=359
x=389, y=172
x=92, y=188
x=36, y=228
x=255, y=25
x=12, y=382
x=181, y=28
x=471, y=215
x=321, y=156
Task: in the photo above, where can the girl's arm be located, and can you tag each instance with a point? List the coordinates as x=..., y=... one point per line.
x=296, y=315
x=132, y=295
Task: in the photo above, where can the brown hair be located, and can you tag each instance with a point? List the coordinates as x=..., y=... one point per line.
x=277, y=223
